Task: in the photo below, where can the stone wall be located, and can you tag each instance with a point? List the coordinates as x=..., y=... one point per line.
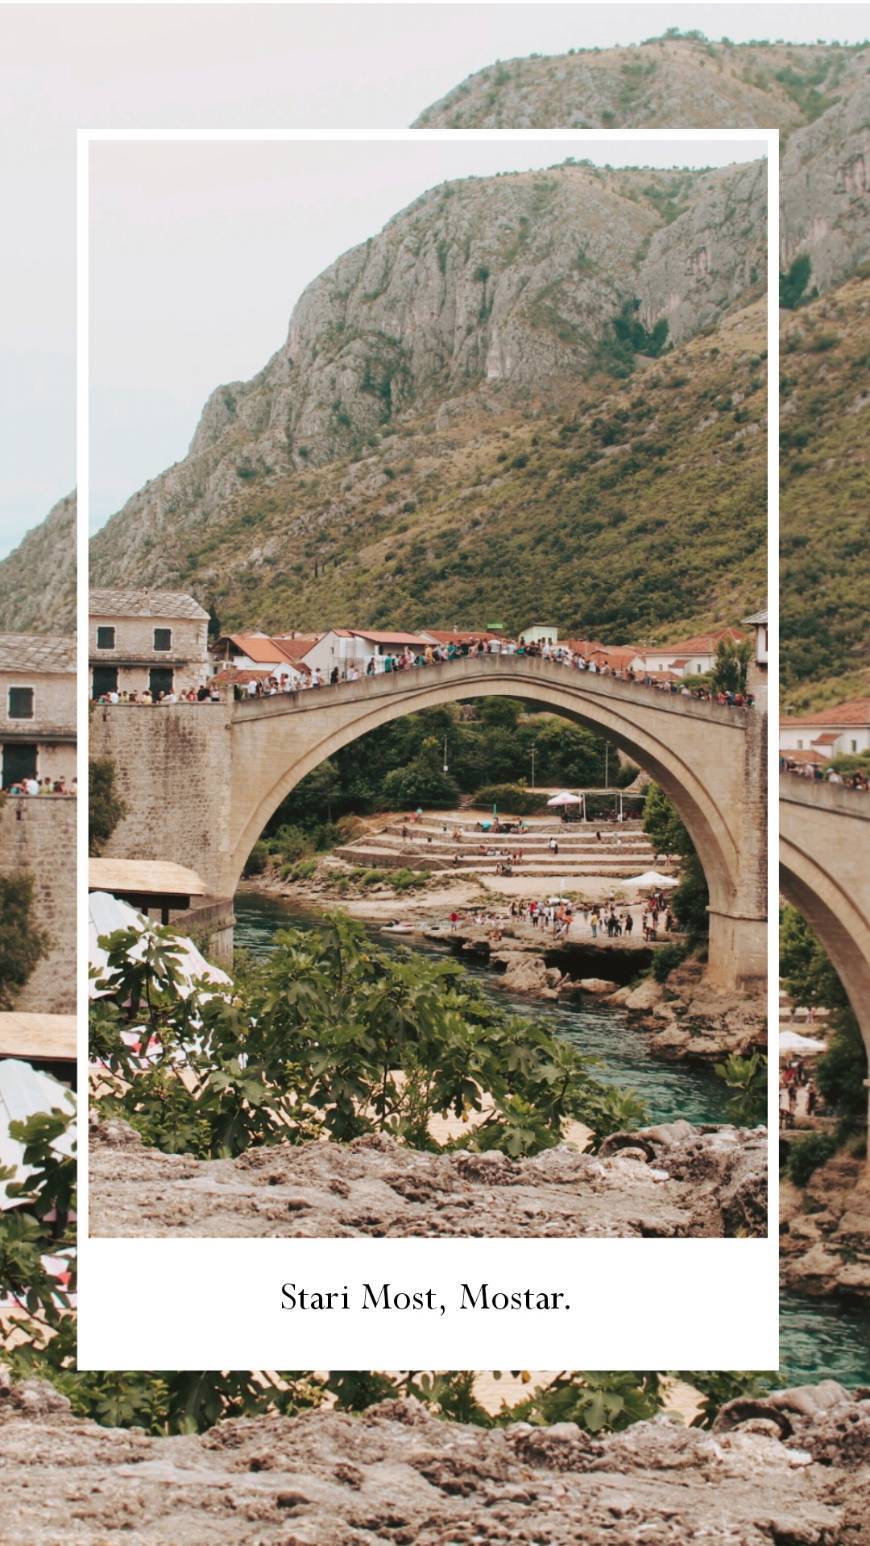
x=172, y=769
x=37, y=836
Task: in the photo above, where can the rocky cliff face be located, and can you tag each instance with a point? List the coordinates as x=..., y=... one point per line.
x=667, y=82
x=817, y=95
x=493, y=287
x=38, y=579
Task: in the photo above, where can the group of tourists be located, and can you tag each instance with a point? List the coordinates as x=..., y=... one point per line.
x=37, y=786
x=304, y=678
x=857, y=779
x=205, y=693
x=798, y=1094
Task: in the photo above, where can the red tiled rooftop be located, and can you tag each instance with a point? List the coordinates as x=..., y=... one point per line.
x=856, y=711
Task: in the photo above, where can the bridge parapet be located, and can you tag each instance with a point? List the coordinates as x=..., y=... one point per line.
x=819, y=795
x=518, y=668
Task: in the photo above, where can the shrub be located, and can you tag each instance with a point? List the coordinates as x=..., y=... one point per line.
x=257, y=859
x=805, y=1155
x=514, y=799
x=105, y=806
x=22, y=944
x=665, y=960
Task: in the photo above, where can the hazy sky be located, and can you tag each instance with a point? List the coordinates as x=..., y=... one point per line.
x=199, y=251
x=243, y=66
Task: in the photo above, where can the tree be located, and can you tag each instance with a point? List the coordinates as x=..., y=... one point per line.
x=690, y=900
x=420, y=784
x=22, y=943
x=312, y=1041
x=810, y=979
x=731, y=666
x=793, y=284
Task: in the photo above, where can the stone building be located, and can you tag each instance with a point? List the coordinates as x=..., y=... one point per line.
x=146, y=639
x=37, y=708
x=689, y=657
x=841, y=729
x=756, y=676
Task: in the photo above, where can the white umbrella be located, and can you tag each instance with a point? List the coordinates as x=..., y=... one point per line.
x=108, y=913
x=791, y=1041
x=23, y=1092
x=650, y=878
x=565, y=799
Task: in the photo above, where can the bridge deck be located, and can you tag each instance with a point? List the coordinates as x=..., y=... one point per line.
x=495, y=668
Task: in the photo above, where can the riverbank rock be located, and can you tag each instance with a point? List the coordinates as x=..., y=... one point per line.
x=690, y=1019
x=524, y=973
x=646, y=995
x=825, y=1236
x=596, y=985
x=657, y=1182
x=794, y=1469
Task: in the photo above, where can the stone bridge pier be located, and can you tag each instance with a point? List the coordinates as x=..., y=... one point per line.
x=201, y=781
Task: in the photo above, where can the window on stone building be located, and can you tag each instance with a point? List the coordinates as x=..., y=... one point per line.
x=163, y=638
x=105, y=637
x=20, y=704
x=854, y=745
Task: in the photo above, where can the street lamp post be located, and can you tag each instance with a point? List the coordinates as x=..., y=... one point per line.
x=533, y=767
x=445, y=755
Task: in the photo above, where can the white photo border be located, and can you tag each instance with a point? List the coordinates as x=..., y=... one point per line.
x=639, y=1304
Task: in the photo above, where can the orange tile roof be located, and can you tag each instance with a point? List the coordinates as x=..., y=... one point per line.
x=374, y=637
x=701, y=644
x=804, y=756
x=257, y=646
x=856, y=711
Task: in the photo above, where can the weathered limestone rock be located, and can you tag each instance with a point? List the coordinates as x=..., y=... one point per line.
x=670, y=1181
x=646, y=995
x=596, y=985
x=794, y=1468
x=825, y=1232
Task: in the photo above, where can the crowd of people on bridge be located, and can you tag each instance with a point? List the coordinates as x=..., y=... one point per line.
x=260, y=685
x=818, y=773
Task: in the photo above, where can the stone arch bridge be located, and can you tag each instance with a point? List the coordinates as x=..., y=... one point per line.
x=824, y=832
x=200, y=782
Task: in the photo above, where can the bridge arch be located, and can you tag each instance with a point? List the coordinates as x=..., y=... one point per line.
x=709, y=761
x=824, y=873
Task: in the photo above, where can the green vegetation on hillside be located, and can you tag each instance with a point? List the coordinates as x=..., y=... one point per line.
x=825, y=581
x=625, y=511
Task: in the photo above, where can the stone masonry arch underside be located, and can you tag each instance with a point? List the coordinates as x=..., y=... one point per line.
x=708, y=759
x=825, y=874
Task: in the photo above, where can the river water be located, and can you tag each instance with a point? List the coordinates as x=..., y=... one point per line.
x=818, y=1339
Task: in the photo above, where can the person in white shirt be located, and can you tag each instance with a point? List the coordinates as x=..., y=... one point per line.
x=31, y=786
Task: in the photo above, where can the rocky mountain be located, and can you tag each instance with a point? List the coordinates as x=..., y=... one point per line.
x=668, y=82
x=479, y=294
x=38, y=579
x=630, y=507
x=819, y=97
